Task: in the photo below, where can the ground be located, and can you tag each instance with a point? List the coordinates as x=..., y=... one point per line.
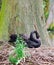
x=37, y=56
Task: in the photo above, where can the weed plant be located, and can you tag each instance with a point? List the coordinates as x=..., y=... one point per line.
x=19, y=53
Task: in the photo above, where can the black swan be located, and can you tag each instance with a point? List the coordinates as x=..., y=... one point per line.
x=31, y=42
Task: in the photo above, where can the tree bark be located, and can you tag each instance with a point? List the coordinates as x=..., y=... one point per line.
x=22, y=15
x=29, y=12
x=41, y=23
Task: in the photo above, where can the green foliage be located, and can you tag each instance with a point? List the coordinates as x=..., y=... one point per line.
x=51, y=27
x=12, y=59
x=18, y=52
x=46, y=8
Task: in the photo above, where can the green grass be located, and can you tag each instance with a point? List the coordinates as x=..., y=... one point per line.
x=19, y=53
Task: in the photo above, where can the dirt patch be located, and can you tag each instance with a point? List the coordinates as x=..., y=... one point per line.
x=37, y=56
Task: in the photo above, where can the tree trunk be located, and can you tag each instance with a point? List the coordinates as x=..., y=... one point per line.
x=26, y=16
x=22, y=15
x=28, y=13
x=41, y=23
x=12, y=17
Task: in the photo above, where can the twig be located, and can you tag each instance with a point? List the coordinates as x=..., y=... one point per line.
x=35, y=27
x=5, y=62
